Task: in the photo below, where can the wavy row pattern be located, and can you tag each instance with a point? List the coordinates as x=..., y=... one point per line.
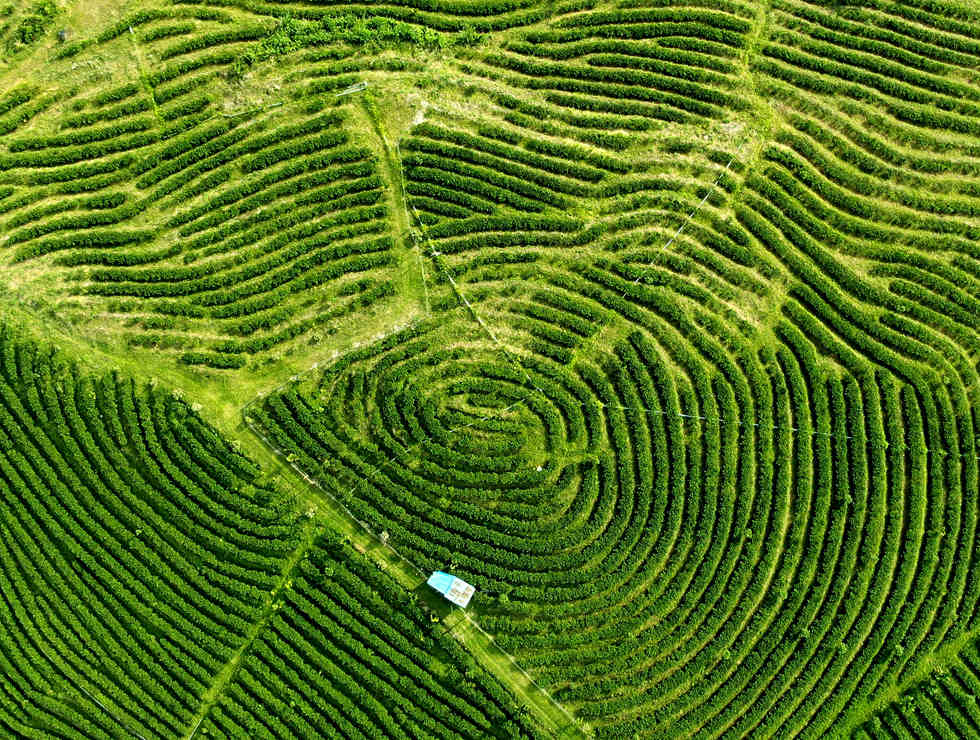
x=709, y=447
x=216, y=235
x=142, y=556
x=696, y=401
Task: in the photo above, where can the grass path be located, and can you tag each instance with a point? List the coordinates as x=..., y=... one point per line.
x=938, y=661
x=228, y=671
x=411, y=284
x=551, y=716
x=555, y=718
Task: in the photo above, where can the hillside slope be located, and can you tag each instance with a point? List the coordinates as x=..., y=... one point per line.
x=658, y=321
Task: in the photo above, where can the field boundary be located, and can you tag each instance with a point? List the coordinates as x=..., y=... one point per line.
x=541, y=713
x=226, y=674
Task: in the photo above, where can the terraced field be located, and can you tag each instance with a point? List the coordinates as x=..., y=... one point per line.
x=144, y=558
x=657, y=321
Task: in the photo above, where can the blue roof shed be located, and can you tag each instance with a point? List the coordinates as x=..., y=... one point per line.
x=441, y=582
x=455, y=589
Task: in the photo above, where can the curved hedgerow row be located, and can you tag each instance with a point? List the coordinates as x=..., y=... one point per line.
x=621, y=68
x=140, y=542
x=149, y=551
x=943, y=705
x=255, y=207
x=696, y=404
x=445, y=15
x=348, y=654
x=718, y=481
x=306, y=188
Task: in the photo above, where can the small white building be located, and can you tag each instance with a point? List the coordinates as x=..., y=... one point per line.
x=455, y=589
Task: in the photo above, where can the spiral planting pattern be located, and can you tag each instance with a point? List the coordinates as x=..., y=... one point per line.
x=701, y=427
x=149, y=570
x=694, y=397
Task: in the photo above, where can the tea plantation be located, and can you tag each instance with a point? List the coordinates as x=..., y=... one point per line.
x=657, y=321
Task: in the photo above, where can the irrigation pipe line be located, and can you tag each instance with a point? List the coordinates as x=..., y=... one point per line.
x=462, y=297
x=639, y=277
x=196, y=726
x=459, y=293
x=686, y=221
x=649, y=267
x=724, y=422
x=739, y=422
x=93, y=697
x=452, y=281
x=600, y=404
x=370, y=532
x=659, y=412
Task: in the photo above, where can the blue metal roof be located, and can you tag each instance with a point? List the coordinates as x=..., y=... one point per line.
x=441, y=582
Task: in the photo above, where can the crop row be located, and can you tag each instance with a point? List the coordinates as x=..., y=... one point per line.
x=136, y=528
x=154, y=547
x=355, y=659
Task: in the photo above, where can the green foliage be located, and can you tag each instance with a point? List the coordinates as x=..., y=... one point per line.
x=370, y=32
x=36, y=22
x=176, y=543
x=693, y=401
x=375, y=32
x=145, y=544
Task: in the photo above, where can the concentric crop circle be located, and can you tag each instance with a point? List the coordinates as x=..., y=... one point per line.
x=692, y=395
x=683, y=532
